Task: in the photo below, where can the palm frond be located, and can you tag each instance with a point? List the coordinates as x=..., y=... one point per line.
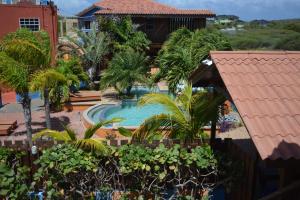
x=158, y=123
x=166, y=101
x=56, y=135
x=92, y=130
x=70, y=132
x=92, y=144
x=125, y=132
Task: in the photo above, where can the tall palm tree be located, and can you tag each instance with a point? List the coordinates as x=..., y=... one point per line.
x=22, y=53
x=126, y=68
x=86, y=143
x=94, y=45
x=184, y=51
x=186, y=115
x=45, y=82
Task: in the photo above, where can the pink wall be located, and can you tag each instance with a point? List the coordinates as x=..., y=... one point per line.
x=10, y=15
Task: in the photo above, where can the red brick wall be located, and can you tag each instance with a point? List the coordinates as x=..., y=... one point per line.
x=10, y=15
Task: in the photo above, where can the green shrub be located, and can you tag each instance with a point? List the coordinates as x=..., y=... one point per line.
x=150, y=170
x=13, y=175
x=142, y=172
x=66, y=171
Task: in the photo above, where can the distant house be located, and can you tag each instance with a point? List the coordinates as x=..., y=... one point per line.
x=155, y=19
x=32, y=14
x=265, y=88
x=67, y=26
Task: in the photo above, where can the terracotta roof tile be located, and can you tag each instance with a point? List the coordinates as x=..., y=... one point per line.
x=144, y=7
x=265, y=87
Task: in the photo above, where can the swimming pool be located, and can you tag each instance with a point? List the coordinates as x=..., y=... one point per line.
x=132, y=114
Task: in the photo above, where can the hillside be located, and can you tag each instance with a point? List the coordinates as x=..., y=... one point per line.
x=266, y=35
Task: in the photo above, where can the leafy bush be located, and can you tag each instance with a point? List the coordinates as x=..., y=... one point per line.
x=124, y=33
x=154, y=171
x=66, y=171
x=139, y=171
x=13, y=175
x=284, y=37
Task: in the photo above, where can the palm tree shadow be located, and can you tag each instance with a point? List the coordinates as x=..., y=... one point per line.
x=57, y=123
x=286, y=151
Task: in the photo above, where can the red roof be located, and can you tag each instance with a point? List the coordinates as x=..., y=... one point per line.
x=265, y=87
x=144, y=7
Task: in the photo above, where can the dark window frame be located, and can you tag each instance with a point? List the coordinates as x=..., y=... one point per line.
x=32, y=24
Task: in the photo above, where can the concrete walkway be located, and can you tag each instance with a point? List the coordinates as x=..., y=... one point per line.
x=58, y=120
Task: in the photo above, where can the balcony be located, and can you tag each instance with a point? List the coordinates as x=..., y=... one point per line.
x=86, y=30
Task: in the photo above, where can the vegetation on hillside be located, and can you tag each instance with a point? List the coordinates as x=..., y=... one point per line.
x=274, y=35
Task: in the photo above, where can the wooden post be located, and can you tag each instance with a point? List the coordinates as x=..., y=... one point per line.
x=213, y=128
x=1, y=99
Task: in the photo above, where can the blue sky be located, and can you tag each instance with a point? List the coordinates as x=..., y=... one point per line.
x=246, y=9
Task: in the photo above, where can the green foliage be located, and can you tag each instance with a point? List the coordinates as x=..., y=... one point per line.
x=124, y=33
x=13, y=175
x=87, y=143
x=290, y=43
x=22, y=53
x=183, y=52
x=29, y=48
x=13, y=73
x=159, y=167
x=61, y=170
x=48, y=79
x=94, y=46
x=72, y=70
x=283, y=35
x=126, y=68
x=186, y=115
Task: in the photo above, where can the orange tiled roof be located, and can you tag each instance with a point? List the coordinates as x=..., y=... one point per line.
x=265, y=87
x=144, y=7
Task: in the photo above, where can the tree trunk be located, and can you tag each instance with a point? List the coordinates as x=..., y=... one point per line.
x=47, y=108
x=214, y=122
x=26, y=103
x=128, y=90
x=1, y=99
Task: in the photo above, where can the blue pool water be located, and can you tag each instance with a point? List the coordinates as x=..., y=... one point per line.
x=132, y=114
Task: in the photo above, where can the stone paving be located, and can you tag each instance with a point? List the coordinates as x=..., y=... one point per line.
x=59, y=119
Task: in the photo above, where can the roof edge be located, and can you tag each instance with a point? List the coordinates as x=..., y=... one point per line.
x=255, y=52
x=87, y=10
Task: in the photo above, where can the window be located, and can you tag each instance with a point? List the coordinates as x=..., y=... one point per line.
x=87, y=25
x=32, y=24
x=75, y=25
x=149, y=25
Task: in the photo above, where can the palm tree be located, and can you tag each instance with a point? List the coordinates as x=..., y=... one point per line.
x=73, y=71
x=45, y=82
x=22, y=53
x=87, y=143
x=186, y=115
x=94, y=45
x=184, y=51
x=126, y=68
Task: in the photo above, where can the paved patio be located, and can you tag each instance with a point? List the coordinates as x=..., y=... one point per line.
x=59, y=119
